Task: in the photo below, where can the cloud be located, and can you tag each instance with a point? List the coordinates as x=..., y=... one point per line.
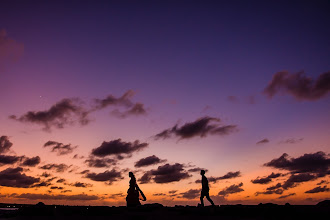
x=299, y=85
x=263, y=141
x=266, y=179
x=231, y=189
x=317, y=162
x=190, y=194
x=269, y=192
x=197, y=170
x=147, y=161
x=146, y=178
x=41, y=184
x=60, y=168
x=322, y=182
x=10, y=49
x=63, y=113
x=7, y=159
x=61, y=180
x=79, y=184
x=286, y=196
x=298, y=178
x=56, y=197
x=13, y=177
x=202, y=127
x=65, y=191
x=118, y=148
x=318, y=189
x=60, y=148
x=76, y=156
x=99, y=163
x=116, y=196
x=5, y=144
x=31, y=161
x=291, y=141
x=45, y=174
x=107, y=176
x=110, y=100
x=136, y=110
x=229, y=175
x=57, y=187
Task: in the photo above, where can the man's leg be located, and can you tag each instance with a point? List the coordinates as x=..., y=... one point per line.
x=210, y=200
x=202, y=197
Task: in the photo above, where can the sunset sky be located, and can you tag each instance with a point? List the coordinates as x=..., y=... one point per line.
x=91, y=90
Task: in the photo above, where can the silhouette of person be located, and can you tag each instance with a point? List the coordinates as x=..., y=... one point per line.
x=205, y=189
x=133, y=192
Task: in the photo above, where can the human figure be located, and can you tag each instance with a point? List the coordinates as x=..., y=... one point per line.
x=205, y=189
x=133, y=192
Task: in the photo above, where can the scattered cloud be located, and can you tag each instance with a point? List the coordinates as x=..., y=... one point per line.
x=147, y=161
x=61, y=180
x=56, y=197
x=100, y=162
x=57, y=187
x=9, y=160
x=263, y=141
x=107, y=176
x=197, y=170
x=60, y=148
x=298, y=178
x=110, y=100
x=291, y=141
x=318, y=162
x=235, y=188
x=116, y=196
x=80, y=184
x=30, y=161
x=118, y=148
x=165, y=174
x=63, y=113
x=229, y=175
x=5, y=144
x=286, y=196
x=318, y=189
x=60, y=168
x=13, y=177
x=76, y=156
x=269, y=192
x=267, y=179
x=190, y=194
x=299, y=85
x=136, y=110
x=202, y=127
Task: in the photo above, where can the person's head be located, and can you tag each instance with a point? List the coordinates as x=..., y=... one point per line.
x=130, y=174
x=202, y=172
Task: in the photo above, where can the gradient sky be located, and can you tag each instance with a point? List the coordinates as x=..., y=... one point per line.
x=256, y=73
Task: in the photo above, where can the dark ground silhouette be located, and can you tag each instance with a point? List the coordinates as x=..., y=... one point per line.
x=157, y=211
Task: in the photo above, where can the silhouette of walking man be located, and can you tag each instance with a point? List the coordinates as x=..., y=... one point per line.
x=205, y=189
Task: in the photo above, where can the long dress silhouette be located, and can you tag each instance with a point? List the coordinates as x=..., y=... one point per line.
x=133, y=193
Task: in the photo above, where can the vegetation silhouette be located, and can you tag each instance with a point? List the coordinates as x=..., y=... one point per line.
x=133, y=193
x=205, y=189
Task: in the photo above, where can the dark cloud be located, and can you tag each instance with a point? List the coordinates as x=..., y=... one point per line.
x=263, y=141
x=79, y=184
x=197, y=170
x=314, y=163
x=286, y=196
x=118, y=148
x=190, y=194
x=100, y=162
x=199, y=128
x=322, y=182
x=56, y=197
x=172, y=191
x=13, y=177
x=299, y=85
x=159, y=194
x=229, y=175
x=61, y=181
x=318, y=189
x=60, y=148
x=76, y=156
x=231, y=190
x=169, y=173
x=57, y=187
x=107, y=176
x=84, y=172
x=31, y=161
x=277, y=186
x=146, y=178
x=116, y=196
x=60, y=168
x=147, y=161
x=291, y=141
x=110, y=100
x=136, y=110
x=298, y=178
x=65, y=112
x=267, y=179
x=269, y=192
x=41, y=184
x=7, y=159
x=45, y=174
x=5, y=144
x=65, y=191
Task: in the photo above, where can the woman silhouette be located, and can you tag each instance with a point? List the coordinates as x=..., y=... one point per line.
x=133, y=192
